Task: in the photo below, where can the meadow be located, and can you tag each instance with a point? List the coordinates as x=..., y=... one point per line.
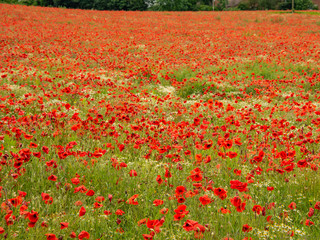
x=159, y=125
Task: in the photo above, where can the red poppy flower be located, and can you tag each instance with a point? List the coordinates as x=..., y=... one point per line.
x=189, y=225
x=187, y=152
x=28, y=137
x=147, y=236
x=241, y=207
x=242, y=187
x=100, y=199
x=97, y=205
x=16, y=201
x=197, y=176
x=181, y=209
x=270, y=188
x=83, y=235
x=292, y=205
x=237, y=172
x=302, y=163
x=196, y=121
x=207, y=146
x=220, y=192
x=271, y=205
x=164, y=210
x=75, y=181
x=110, y=198
x=180, y=190
x=168, y=174
x=90, y=193
x=51, y=236
x=157, y=202
x=159, y=179
x=257, y=209
x=37, y=154
x=311, y=212
x=82, y=211
x=236, y=201
x=73, y=235
x=142, y=221
x=33, y=216
x=181, y=199
x=67, y=106
x=107, y=212
x=133, y=173
x=232, y=154
x=121, y=147
x=44, y=224
x=64, y=225
x=225, y=210
x=52, y=178
x=119, y=212
x=155, y=224
x=132, y=200
x=246, y=228
x=198, y=157
x=9, y=218
x=33, y=145
x=45, y=149
x=45, y=196
x=309, y=222
x=78, y=203
x=22, y=194
x=205, y=200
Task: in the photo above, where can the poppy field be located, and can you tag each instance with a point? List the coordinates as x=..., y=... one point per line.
x=159, y=125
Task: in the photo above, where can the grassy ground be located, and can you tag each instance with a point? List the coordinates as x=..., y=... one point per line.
x=149, y=113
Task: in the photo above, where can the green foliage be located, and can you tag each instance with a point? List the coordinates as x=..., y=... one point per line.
x=222, y=5
x=298, y=5
x=184, y=74
x=202, y=7
x=303, y=4
x=194, y=88
x=233, y=9
x=168, y=5
x=258, y=4
x=243, y=6
x=129, y=5
x=275, y=4
x=175, y=5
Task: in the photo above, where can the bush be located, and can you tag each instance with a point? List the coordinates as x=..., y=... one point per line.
x=243, y=6
x=204, y=8
x=222, y=5
x=298, y=5
x=233, y=9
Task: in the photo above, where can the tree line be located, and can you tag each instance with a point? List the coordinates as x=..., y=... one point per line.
x=169, y=5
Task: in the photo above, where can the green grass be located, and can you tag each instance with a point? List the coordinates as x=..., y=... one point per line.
x=195, y=88
x=238, y=97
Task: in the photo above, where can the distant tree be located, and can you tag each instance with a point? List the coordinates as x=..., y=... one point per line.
x=275, y=4
x=221, y=5
x=167, y=5
x=303, y=4
x=298, y=5
x=175, y=5
x=267, y=4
